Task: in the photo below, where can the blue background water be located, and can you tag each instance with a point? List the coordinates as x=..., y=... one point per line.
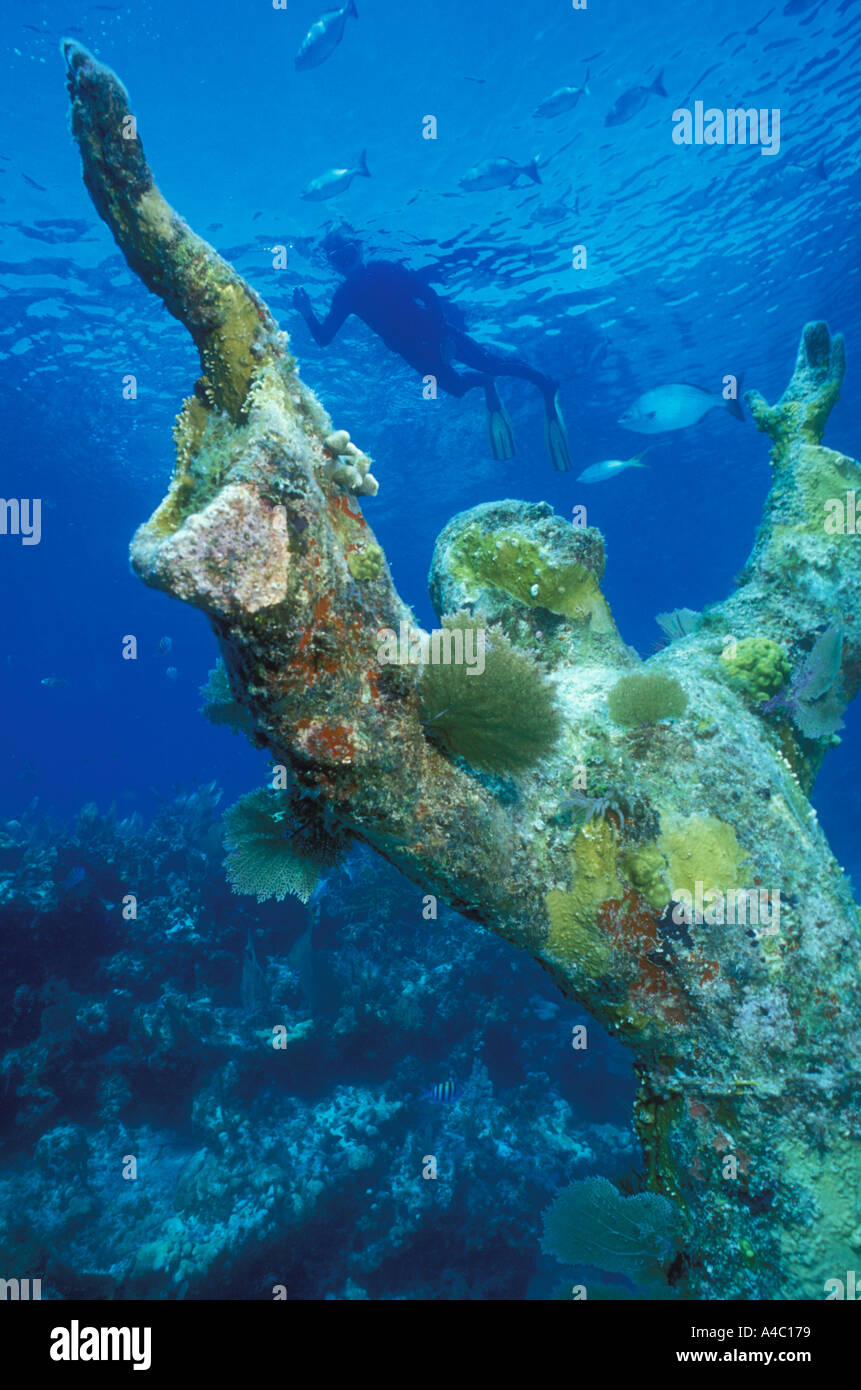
x=701, y=262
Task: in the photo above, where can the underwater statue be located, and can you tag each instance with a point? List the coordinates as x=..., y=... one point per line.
x=661, y=860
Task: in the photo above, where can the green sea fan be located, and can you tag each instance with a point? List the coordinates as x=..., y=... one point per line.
x=279, y=843
x=219, y=706
x=646, y=698
x=591, y=1223
x=503, y=720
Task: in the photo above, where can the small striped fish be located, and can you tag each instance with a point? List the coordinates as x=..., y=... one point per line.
x=443, y=1093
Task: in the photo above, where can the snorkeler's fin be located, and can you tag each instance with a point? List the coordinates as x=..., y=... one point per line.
x=499, y=430
x=556, y=435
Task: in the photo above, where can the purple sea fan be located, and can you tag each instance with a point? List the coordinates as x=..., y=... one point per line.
x=814, y=697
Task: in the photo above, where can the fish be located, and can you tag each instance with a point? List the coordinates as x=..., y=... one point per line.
x=675, y=407
x=53, y=681
x=165, y=644
x=443, y=1093
x=600, y=472
x=323, y=37
x=629, y=103
x=253, y=988
x=818, y=172
x=335, y=181
x=73, y=878
x=565, y=99
x=498, y=173
x=171, y=673
x=300, y=958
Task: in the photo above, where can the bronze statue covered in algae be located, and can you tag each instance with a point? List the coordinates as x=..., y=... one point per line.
x=744, y=1029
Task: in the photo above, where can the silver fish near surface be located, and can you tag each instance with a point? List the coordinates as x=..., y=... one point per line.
x=323, y=37
x=565, y=99
x=632, y=101
x=335, y=181
x=610, y=468
x=498, y=173
x=675, y=407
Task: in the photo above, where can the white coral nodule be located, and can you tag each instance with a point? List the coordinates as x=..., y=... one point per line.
x=348, y=466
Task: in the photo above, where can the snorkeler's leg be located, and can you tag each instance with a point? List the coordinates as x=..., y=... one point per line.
x=499, y=429
x=472, y=354
x=555, y=434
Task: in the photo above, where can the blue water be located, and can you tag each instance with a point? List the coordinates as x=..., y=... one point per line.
x=701, y=262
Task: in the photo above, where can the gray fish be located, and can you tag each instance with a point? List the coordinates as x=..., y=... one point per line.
x=53, y=681
x=674, y=407
x=600, y=472
x=253, y=987
x=165, y=644
x=335, y=181
x=632, y=101
x=323, y=37
x=565, y=99
x=498, y=173
x=300, y=958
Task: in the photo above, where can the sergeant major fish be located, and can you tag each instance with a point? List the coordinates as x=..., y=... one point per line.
x=565, y=99
x=323, y=37
x=609, y=468
x=629, y=103
x=443, y=1093
x=498, y=173
x=675, y=407
x=335, y=181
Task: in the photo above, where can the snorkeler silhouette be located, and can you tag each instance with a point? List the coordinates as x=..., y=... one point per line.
x=412, y=320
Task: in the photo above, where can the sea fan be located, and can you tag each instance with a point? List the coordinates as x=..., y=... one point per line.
x=591, y=1223
x=219, y=706
x=279, y=843
x=814, y=698
x=678, y=623
x=503, y=720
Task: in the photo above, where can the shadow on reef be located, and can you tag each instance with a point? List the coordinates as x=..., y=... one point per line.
x=150, y=1037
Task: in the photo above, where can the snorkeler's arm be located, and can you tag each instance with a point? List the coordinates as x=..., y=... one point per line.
x=324, y=330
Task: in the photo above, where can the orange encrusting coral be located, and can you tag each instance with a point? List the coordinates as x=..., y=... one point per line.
x=635, y=933
x=326, y=743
